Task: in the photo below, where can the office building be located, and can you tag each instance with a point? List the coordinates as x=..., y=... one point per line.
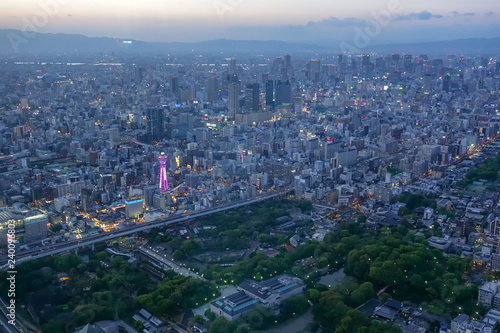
x=252, y=98
x=133, y=208
x=154, y=124
x=233, y=97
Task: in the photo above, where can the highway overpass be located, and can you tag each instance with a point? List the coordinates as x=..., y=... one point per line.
x=91, y=240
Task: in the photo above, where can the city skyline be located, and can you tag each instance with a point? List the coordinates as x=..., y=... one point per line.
x=317, y=22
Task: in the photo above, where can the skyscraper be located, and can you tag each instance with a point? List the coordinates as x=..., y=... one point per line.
x=212, y=89
x=315, y=68
x=365, y=60
x=283, y=100
x=252, y=97
x=269, y=94
x=277, y=64
x=407, y=62
x=395, y=60
x=163, y=172
x=283, y=93
x=154, y=124
x=139, y=74
x=232, y=66
x=287, y=61
x=446, y=83
x=174, y=87
x=233, y=96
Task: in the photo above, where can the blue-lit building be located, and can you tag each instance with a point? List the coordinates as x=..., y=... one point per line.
x=134, y=208
x=270, y=293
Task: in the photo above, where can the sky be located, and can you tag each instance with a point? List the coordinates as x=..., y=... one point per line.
x=312, y=21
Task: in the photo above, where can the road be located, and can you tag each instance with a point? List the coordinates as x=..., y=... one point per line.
x=5, y=326
x=164, y=261
x=91, y=240
x=323, y=206
x=19, y=327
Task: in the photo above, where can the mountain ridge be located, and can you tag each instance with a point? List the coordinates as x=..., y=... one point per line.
x=15, y=41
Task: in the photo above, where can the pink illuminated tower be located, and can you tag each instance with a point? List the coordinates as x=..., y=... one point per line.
x=163, y=172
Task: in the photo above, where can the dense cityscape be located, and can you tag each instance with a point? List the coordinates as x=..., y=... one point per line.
x=203, y=192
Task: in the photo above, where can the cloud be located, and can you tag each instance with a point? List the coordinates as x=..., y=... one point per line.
x=70, y=15
x=489, y=14
x=336, y=22
x=310, y=27
x=455, y=13
x=422, y=16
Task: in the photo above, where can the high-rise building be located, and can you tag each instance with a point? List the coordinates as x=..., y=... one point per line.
x=29, y=224
x=86, y=201
x=93, y=156
x=283, y=93
x=252, y=98
x=149, y=192
x=269, y=94
x=395, y=60
x=446, y=83
x=174, y=87
x=163, y=172
x=277, y=64
x=365, y=60
x=154, y=124
x=139, y=74
x=424, y=58
x=134, y=208
x=192, y=179
x=407, y=61
x=315, y=70
x=232, y=66
x=427, y=83
x=233, y=96
x=287, y=61
x=212, y=89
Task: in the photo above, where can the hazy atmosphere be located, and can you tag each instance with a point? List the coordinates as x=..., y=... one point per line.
x=316, y=21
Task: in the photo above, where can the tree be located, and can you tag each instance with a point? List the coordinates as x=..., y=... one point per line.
x=352, y=321
x=244, y=328
x=304, y=205
x=53, y=326
x=362, y=294
x=196, y=319
x=179, y=255
x=385, y=297
x=221, y=325
x=295, y=305
x=403, y=211
x=102, y=256
x=361, y=218
x=313, y=295
x=209, y=314
x=138, y=325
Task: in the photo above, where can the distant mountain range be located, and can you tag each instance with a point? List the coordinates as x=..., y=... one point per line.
x=15, y=41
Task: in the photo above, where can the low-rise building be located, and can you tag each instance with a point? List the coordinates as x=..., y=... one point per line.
x=270, y=293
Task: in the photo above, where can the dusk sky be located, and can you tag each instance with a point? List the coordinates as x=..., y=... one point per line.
x=288, y=20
